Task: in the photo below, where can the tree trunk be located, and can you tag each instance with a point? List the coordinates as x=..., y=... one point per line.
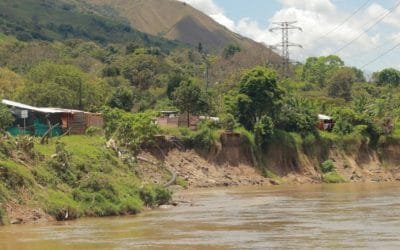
x=188, y=119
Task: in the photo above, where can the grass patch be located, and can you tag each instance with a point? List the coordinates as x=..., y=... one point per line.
x=154, y=195
x=333, y=177
x=15, y=175
x=181, y=182
x=61, y=205
x=80, y=176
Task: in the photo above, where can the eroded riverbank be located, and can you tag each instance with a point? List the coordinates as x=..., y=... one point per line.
x=291, y=217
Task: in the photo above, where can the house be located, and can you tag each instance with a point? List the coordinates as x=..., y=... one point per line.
x=36, y=120
x=170, y=118
x=175, y=119
x=325, y=122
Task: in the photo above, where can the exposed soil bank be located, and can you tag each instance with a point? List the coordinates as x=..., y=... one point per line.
x=231, y=163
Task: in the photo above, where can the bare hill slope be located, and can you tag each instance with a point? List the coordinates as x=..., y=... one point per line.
x=176, y=20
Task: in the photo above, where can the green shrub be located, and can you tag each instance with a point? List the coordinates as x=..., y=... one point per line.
x=181, y=182
x=327, y=166
x=204, y=138
x=130, y=205
x=153, y=195
x=228, y=122
x=263, y=130
x=61, y=206
x=6, y=118
x=92, y=131
x=3, y=216
x=333, y=177
x=14, y=175
x=247, y=135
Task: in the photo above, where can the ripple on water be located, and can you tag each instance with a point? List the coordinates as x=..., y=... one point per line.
x=301, y=217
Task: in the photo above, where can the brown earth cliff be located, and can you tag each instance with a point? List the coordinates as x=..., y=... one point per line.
x=232, y=162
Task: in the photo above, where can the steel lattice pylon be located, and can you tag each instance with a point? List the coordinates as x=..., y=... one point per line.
x=285, y=44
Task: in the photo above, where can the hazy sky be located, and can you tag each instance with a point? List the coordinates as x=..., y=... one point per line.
x=324, y=28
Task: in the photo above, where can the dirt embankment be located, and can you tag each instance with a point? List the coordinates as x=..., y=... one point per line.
x=227, y=164
x=231, y=163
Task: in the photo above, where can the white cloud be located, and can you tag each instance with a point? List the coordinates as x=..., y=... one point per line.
x=322, y=23
x=311, y=5
x=375, y=11
x=213, y=10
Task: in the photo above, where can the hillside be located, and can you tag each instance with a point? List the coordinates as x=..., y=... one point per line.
x=63, y=19
x=179, y=21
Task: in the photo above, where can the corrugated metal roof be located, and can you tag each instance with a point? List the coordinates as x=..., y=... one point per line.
x=324, y=117
x=40, y=110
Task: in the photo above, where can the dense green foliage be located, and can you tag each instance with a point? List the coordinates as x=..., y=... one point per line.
x=6, y=118
x=74, y=176
x=388, y=76
x=189, y=98
x=130, y=130
x=259, y=96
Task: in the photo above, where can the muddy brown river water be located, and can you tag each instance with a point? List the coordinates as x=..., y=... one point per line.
x=352, y=216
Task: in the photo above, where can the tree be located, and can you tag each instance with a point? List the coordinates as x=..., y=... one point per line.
x=389, y=76
x=259, y=95
x=263, y=130
x=231, y=50
x=141, y=70
x=122, y=98
x=174, y=79
x=298, y=115
x=190, y=98
x=358, y=74
x=6, y=118
x=340, y=83
x=64, y=86
x=318, y=69
x=9, y=82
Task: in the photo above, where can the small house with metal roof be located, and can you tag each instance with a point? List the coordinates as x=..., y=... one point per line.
x=37, y=120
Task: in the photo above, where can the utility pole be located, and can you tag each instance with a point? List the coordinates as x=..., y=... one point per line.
x=284, y=27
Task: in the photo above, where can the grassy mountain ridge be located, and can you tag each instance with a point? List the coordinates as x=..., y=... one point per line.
x=63, y=19
x=179, y=21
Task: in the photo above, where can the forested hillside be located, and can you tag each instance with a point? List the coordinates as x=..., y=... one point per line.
x=49, y=20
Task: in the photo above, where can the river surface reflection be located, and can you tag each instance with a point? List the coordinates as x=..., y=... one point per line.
x=285, y=217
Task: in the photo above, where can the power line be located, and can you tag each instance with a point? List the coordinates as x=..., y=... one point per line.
x=345, y=21
x=368, y=51
x=284, y=27
x=383, y=16
x=381, y=55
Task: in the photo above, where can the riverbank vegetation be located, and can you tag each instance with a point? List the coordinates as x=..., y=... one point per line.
x=73, y=176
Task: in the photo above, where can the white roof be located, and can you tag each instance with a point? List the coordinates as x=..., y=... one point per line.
x=41, y=110
x=324, y=117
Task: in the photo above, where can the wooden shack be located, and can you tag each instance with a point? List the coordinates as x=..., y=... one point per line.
x=37, y=120
x=325, y=122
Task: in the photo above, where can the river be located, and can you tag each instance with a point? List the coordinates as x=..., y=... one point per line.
x=353, y=216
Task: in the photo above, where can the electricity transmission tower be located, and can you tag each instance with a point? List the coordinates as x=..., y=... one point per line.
x=284, y=27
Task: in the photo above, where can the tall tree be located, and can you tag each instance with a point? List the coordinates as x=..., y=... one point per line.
x=340, y=83
x=64, y=86
x=318, y=69
x=9, y=82
x=389, y=76
x=259, y=95
x=191, y=99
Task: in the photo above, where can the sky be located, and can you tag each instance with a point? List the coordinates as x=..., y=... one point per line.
x=359, y=31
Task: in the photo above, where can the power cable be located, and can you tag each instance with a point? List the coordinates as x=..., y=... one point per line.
x=382, y=17
x=381, y=55
x=345, y=21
